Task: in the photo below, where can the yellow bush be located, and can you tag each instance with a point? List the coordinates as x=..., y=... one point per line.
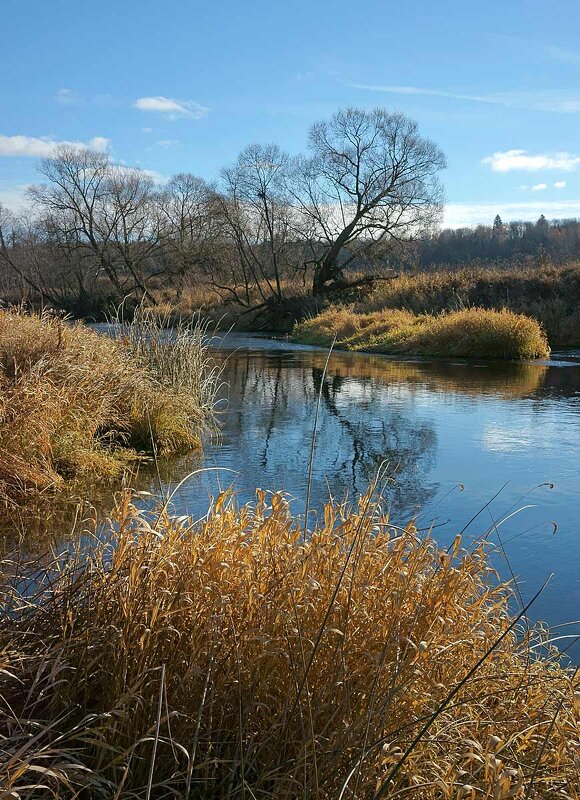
x=73, y=401
x=470, y=333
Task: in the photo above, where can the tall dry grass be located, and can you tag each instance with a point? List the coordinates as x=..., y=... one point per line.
x=549, y=294
x=75, y=402
x=232, y=658
x=470, y=333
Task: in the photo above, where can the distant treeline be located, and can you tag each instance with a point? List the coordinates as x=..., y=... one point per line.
x=557, y=241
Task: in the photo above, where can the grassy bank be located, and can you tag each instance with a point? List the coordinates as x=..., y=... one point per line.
x=73, y=402
x=548, y=294
x=470, y=333
x=229, y=658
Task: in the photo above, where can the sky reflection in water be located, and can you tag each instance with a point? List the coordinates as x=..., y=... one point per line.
x=436, y=425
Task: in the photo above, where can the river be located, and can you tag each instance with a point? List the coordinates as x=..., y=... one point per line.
x=453, y=435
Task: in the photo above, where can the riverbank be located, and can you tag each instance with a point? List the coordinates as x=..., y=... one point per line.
x=75, y=403
x=231, y=655
x=549, y=294
x=470, y=333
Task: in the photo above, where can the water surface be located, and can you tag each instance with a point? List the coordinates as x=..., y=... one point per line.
x=453, y=434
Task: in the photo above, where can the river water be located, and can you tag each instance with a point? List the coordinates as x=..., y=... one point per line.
x=453, y=435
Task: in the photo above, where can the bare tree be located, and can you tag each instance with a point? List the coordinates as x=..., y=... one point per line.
x=371, y=177
x=103, y=215
x=257, y=219
x=189, y=227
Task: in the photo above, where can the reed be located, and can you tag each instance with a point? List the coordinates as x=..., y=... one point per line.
x=469, y=333
x=233, y=658
x=75, y=402
x=545, y=292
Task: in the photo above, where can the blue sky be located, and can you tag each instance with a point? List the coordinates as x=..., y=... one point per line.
x=183, y=86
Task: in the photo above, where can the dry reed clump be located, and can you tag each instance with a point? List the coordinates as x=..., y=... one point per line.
x=74, y=401
x=470, y=333
x=232, y=658
x=546, y=293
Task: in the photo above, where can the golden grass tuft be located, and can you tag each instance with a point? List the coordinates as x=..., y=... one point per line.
x=545, y=292
x=231, y=658
x=469, y=333
x=75, y=402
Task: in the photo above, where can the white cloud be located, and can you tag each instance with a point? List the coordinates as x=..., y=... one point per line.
x=13, y=195
x=122, y=168
x=169, y=143
x=539, y=187
x=147, y=130
x=560, y=185
x=561, y=54
x=415, y=90
x=170, y=107
x=43, y=147
x=508, y=160
x=459, y=215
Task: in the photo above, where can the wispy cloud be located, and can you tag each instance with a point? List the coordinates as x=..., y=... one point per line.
x=167, y=143
x=13, y=195
x=536, y=46
x=66, y=97
x=417, y=90
x=509, y=160
x=43, y=147
x=540, y=187
x=171, y=108
x=562, y=54
x=553, y=101
x=126, y=169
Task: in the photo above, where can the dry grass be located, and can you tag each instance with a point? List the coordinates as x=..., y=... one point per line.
x=230, y=658
x=547, y=293
x=470, y=333
x=74, y=402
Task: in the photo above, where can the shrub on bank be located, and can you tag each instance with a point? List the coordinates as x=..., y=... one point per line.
x=470, y=333
x=73, y=401
x=549, y=294
x=232, y=658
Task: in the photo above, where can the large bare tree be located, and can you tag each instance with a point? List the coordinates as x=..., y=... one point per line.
x=370, y=177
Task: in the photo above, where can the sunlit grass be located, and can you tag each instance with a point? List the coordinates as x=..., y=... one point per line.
x=231, y=658
x=546, y=293
x=467, y=333
x=75, y=402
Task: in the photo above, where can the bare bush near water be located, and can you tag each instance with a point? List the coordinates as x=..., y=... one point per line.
x=176, y=353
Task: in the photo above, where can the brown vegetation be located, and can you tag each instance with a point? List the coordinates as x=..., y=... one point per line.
x=549, y=294
x=233, y=658
x=471, y=333
x=75, y=402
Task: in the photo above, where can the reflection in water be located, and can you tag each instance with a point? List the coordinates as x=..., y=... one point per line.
x=435, y=424
x=267, y=430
